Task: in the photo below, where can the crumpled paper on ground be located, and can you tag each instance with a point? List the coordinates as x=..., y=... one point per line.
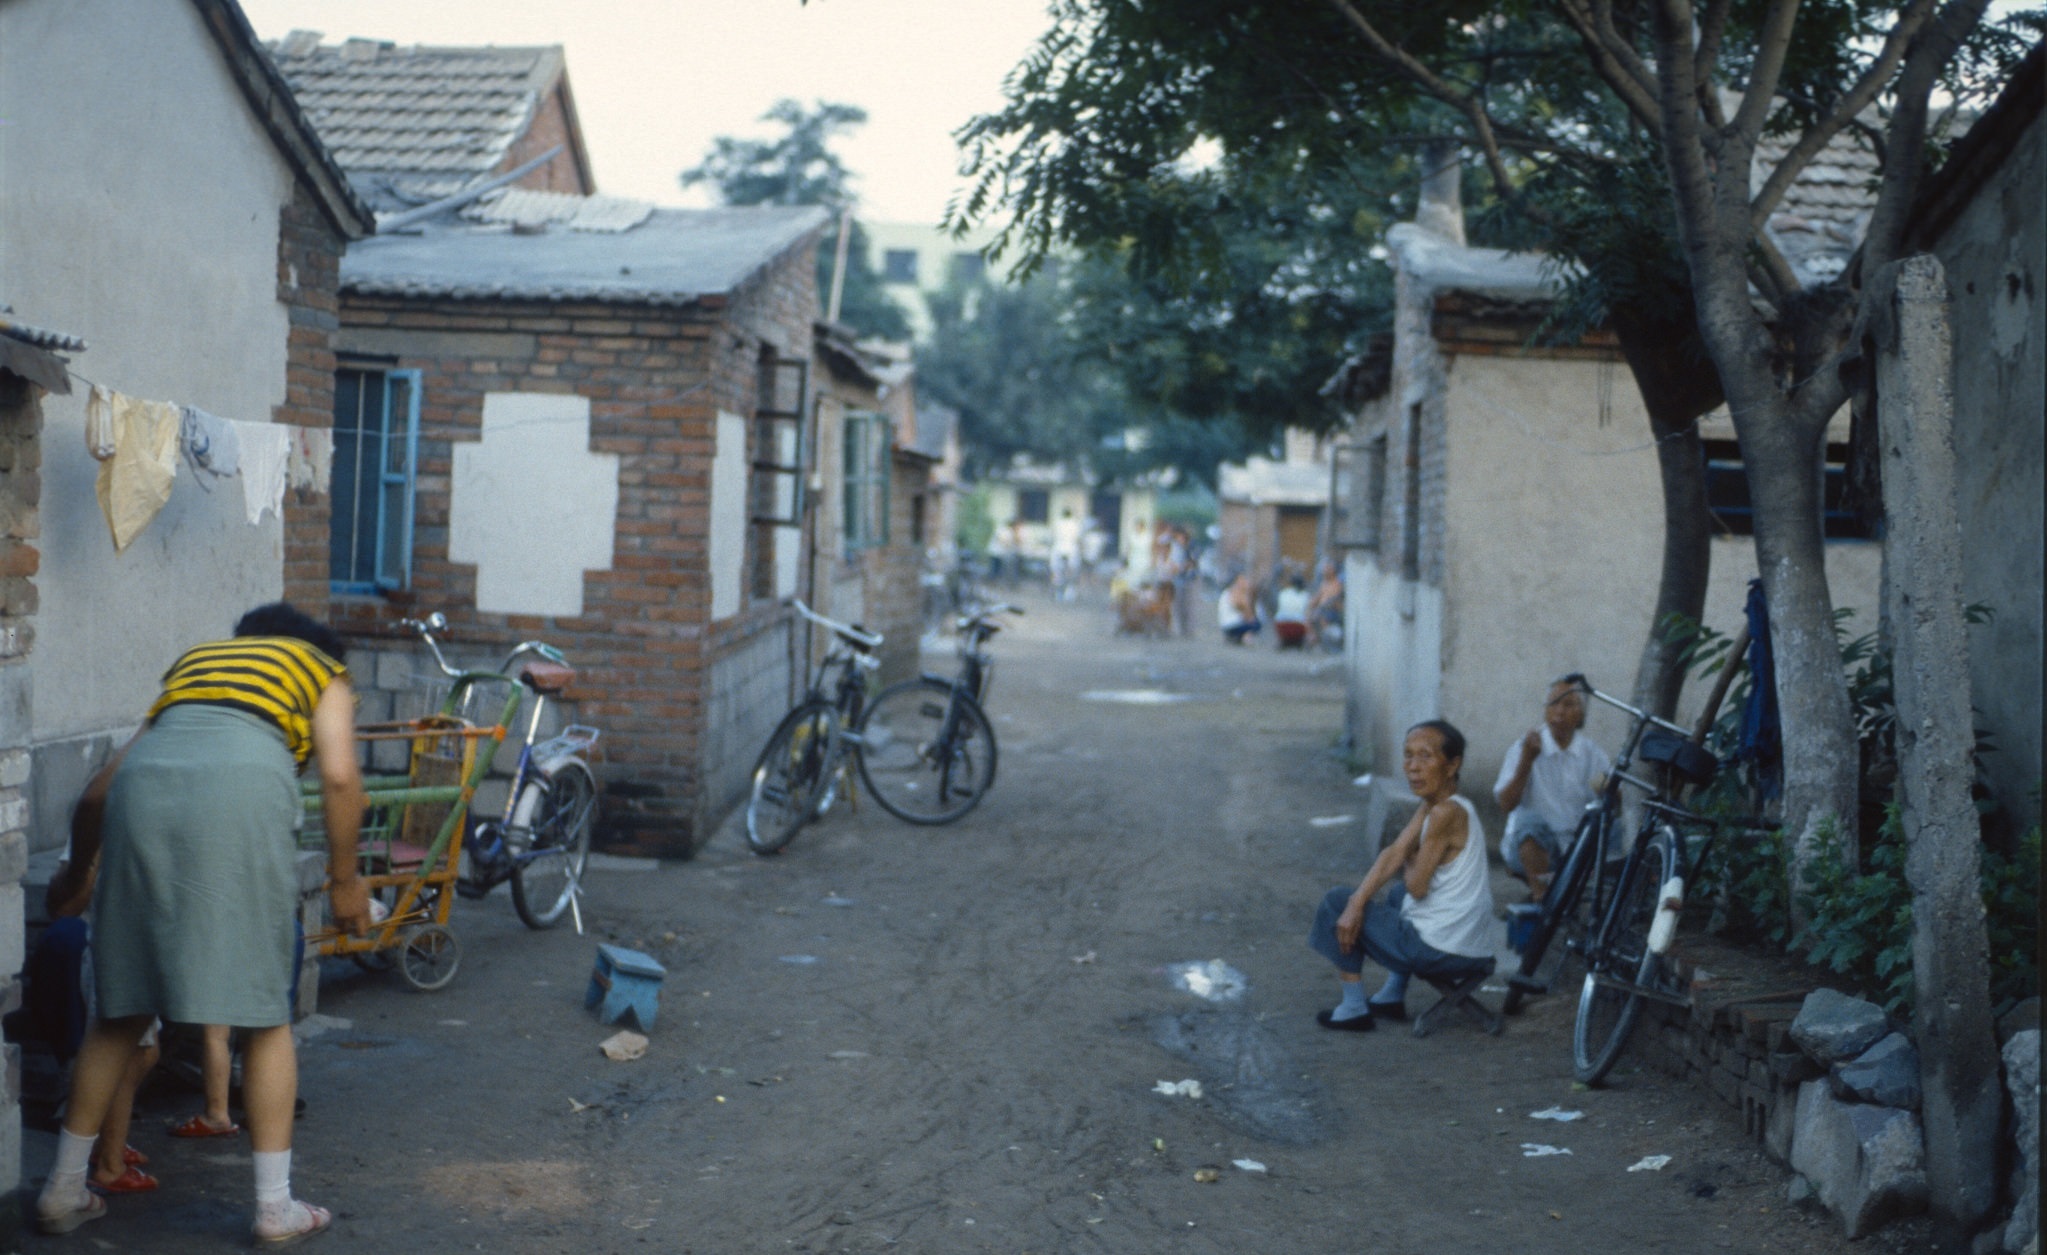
x=623, y=1047
x=134, y=484
x=1178, y=1089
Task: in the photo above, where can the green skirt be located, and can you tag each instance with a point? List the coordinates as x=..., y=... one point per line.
x=193, y=918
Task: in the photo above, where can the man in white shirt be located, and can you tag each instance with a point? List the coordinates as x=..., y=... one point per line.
x=1545, y=781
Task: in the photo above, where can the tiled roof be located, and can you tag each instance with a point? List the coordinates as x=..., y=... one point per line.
x=525, y=207
x=1819, y=223
x=672, y=257
x=413, y=124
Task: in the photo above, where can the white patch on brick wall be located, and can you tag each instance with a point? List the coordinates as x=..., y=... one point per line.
x=531, y=505
x=788, y=560
x=728, y=517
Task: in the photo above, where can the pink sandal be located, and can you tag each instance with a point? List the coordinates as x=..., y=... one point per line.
x=92, y=1207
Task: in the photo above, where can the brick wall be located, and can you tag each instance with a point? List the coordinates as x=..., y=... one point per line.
x=308, y=278
x=550, y=126
x=648, y=660
x=20, y=528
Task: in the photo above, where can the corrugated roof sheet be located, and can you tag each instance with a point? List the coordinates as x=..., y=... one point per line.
x=525, y=207
x=673, y=257
x=412, y=124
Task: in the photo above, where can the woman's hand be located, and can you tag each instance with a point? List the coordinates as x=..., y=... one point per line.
x=350, y=901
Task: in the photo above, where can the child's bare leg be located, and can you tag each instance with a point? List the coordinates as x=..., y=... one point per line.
x=109, y=1160
x=216, y=1065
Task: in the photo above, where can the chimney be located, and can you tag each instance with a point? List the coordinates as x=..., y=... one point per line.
x=1441, y=210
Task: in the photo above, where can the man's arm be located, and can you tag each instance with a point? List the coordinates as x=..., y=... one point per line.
x=1447, y=831
x=1384, y=869
x=342, y=800
x=1510, y=788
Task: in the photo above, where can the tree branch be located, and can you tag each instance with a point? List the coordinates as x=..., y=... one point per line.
x=1929, y=55
x=1705, y=62
x=1773, y=45
x=1464, y=102
x=1630, y=78
x=1845, y=111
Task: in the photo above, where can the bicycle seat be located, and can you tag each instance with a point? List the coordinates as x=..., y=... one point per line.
x=547, y=677
x=1688, y=760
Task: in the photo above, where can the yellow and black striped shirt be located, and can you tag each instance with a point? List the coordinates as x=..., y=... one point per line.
x=277, y=678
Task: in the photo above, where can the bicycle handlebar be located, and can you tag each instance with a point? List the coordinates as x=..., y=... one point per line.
x=1585, y=686
x=438, y=622
x=858, y=636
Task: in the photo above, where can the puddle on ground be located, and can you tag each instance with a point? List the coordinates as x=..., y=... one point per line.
x=1248, y=1075
x=1137, y=697
x=1214, y=980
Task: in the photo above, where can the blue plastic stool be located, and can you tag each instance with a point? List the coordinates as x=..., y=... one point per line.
x=625, y=983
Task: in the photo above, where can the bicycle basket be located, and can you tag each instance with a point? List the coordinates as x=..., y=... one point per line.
x=1660, y=745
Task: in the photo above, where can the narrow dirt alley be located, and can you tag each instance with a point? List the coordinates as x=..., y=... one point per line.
x=950, y=1040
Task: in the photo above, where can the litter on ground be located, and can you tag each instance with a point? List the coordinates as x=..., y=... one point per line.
x=800, y=960
x=1214, y=980
x=623, y=1047
x=1536, y=1150
x=1208, y=1176
x=1329, y=821
x=1558, y=1114
x=1178, y=1089
x=1649, y=1163
x=1248, y=1165
x=1089, y=957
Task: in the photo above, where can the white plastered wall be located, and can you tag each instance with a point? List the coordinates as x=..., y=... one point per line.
x=531, y=505
x=728, y=517
x=1554, y=548
x=140, y=211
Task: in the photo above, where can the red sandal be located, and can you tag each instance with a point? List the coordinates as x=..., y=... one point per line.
x=132, y=1157
x=133, y=1181
x=197, y=1127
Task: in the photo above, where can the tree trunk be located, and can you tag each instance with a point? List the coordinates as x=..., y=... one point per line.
x=1785, y=466
x=1678, y=384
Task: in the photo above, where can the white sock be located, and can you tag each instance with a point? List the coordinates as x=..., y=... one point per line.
x=1394, y=990
x=74, y=1158
x=273, y=1176
x=1353, y=1004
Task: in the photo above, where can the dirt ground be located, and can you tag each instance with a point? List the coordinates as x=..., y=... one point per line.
x=949, y=1040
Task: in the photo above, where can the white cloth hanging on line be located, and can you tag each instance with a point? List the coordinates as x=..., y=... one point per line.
x=312, y=458
x=211, y=444
x=266, y=451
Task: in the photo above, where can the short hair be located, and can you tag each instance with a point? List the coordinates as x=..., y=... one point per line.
x=1453, y=740
x=281, y=618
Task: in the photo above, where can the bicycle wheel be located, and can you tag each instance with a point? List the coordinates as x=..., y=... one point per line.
x=789, y=776
x=544, y=883
x=926, y=753
x=429, y=958
x=1606, y=1013
x=1557, y=942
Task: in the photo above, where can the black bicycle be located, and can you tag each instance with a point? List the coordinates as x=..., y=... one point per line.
x=925, y=746
x=1616, y=922
x=796, y=778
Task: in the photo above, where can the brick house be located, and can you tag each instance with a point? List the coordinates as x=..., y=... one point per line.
x=1272, y=512
x=600, y=404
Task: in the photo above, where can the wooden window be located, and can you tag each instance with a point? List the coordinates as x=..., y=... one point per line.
x=865, y=480
x=376, y=461
x=775, y=490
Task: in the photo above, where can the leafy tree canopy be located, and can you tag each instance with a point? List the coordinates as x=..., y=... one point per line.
x=799, y=167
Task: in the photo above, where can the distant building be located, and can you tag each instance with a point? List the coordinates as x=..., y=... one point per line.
x=1274, y=512
x=916, y=260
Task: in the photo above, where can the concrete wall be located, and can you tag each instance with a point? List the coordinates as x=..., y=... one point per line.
x=1993, y=257
x=141, y=212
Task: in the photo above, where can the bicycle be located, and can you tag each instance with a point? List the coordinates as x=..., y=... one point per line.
x=1618, y=923
x=796, y=777
x=926, y=748
x=541, y=841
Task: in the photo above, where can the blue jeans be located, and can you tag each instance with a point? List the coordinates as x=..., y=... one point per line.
x=1387, y=937
x=1555, y=844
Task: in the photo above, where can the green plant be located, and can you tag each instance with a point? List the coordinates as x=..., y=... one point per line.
x=2011, y=902
x=976, y=526
x=1859, y=922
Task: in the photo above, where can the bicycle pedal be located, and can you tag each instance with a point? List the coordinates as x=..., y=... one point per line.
x=472, y=890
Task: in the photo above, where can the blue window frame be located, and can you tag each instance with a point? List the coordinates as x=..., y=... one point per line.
x=1727, y=493
x=376, y=460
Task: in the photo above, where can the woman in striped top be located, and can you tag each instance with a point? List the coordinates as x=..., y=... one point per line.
x=198, y=886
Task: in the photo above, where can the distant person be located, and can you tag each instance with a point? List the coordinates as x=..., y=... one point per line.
x=1290, y=614
x=1325, y=608
x=1237, y=610
x=1065, y=555
x=1545, y=781
x=1183, y=576
x=198, y=887
x=1436, y=920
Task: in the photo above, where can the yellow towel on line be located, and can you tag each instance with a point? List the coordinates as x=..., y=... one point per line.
x=134, y=484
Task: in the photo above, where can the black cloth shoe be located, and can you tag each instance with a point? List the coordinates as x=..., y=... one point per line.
x=1395, y=1011
x=1356, y=1024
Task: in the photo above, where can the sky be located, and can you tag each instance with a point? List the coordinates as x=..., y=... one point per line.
x=656, y=80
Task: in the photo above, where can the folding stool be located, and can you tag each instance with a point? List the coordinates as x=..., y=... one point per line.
x=1459, y=988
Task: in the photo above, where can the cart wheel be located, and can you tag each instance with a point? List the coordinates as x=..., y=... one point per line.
x=429, y=958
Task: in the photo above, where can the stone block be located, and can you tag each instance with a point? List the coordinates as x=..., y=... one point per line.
x=1867, y=1164
x=14, y=766
x=13, y=929
x=16, y=707
x=1886, y=1074
x=1778, y=1129
x=13, y=857
x=1831, y=1026
x=1793, y=1067
x=2022, y=1016
x=2022, y=1083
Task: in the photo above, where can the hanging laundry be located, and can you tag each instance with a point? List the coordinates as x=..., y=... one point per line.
x=99, y=423
x=134, y=484
x=211, y=445
x=312, y=458
x=266, y=450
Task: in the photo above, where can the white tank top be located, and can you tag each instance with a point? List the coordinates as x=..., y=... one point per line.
x=1457, y=915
